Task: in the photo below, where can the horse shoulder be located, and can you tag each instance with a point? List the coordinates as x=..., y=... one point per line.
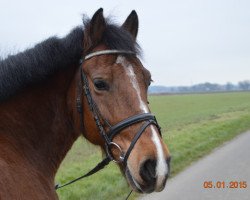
x=19, y=180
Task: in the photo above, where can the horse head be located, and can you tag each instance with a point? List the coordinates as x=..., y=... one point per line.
x=116, y=115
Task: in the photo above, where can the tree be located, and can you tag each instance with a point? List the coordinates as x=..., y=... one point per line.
x=229, y=86
x=244, y=85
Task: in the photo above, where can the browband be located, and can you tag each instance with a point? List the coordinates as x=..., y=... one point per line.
x=109, y=51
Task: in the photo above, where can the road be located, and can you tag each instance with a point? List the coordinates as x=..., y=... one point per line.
x=230, y=162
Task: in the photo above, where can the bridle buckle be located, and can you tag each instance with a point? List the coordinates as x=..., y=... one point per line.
x=110, y=154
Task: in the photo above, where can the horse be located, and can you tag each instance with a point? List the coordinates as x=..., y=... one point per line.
x=48, y=100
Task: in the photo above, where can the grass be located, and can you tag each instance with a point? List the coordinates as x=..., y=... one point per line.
x=192, y=125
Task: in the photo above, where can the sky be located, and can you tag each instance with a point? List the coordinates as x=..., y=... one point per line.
x=184, y=42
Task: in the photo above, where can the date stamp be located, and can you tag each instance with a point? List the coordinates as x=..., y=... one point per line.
x=225, y=184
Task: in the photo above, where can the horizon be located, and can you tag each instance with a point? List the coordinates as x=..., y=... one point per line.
x=200, y=88
x=221, y=84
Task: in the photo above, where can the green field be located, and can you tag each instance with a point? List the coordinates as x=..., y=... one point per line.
x=192, y=125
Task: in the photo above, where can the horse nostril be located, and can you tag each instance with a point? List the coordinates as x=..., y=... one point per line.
x=147, y=171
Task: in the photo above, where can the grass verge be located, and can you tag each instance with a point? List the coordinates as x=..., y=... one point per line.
x=193, y=125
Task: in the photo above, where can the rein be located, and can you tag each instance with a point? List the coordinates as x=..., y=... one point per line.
x=147, y=118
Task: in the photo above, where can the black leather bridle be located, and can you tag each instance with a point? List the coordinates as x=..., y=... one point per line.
x=101, y=122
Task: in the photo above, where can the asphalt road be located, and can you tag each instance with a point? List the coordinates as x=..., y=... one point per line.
x=228, y=163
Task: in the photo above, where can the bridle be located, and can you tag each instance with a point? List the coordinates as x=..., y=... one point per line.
x=101, y=122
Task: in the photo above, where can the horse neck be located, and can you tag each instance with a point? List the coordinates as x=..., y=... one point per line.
x=38, y=124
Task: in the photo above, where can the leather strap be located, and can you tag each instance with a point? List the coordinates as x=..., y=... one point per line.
x=105, y=52
x=137, y=136
x=114, y=130
x=97, y=168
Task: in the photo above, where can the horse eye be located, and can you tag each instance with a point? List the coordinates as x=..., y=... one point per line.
x=101, y=85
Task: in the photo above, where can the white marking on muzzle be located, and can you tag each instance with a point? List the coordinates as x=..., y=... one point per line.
x=161, y=165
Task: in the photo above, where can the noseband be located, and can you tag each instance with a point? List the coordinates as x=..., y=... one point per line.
x=101, y=122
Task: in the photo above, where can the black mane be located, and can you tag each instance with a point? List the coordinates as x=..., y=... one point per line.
x=48, y=57
x=36, y=64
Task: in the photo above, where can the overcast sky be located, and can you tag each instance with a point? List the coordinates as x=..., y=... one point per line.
x=184, y=41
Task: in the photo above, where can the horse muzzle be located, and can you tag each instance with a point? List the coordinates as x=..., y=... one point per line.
x=150, y=179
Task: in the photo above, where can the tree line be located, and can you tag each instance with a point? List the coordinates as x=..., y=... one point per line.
x=203, y=87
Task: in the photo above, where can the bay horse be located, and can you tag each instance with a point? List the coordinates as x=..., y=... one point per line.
x=47, y=100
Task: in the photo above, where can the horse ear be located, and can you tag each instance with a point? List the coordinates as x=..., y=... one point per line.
x=131, y=24
x=94, y=31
